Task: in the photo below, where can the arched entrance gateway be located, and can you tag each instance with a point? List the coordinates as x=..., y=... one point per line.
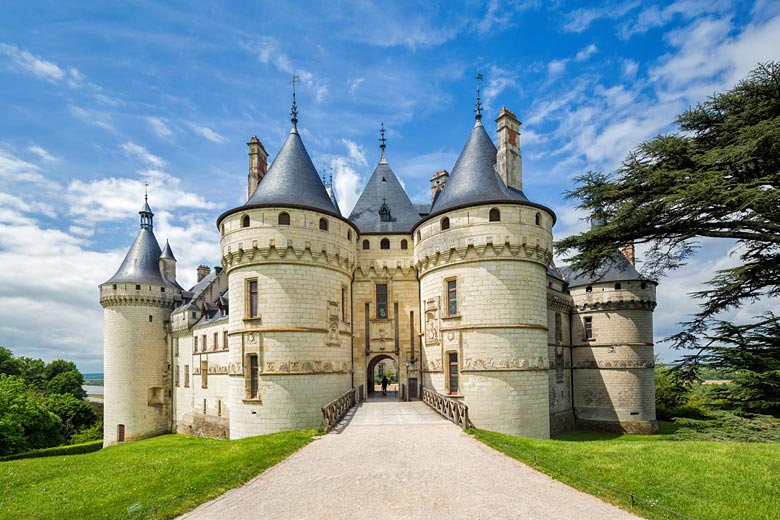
x=379, y=365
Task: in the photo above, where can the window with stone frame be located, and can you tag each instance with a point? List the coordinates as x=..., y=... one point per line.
x=588, y=326
x=216, y=341
x=176, y=376
x=186, y=376
x=381, y=301
x=203, y=346
x=251, y=298
x=451, y=287
x=194, y=343
x=204, y=373
x=384, y=243
x=225, y=340
x=252, y=377
x=453, y=373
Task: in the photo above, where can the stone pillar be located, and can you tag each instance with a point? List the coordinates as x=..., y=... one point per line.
x=508, y=159
x=258, y=164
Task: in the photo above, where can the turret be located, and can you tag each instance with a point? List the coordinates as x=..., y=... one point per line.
x=288, y=255
x=482, y=256
x=168, y=264
x=137, y=303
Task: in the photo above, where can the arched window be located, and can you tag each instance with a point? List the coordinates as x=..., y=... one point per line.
x=284, y=219
x=384, y=244
x=404, y=244
x=618, y=286
x=445, y=223
x=643, y=285
x=366, y=244
x=589, y=288
x=538, y=219
x=349, y=235
x=324, y=224
x=495, y=215
x=245, y=221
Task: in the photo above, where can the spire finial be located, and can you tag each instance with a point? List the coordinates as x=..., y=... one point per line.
x=146, y=212
x=294, y=111
x=146, y=192
x=478, y=108
x=382, y=142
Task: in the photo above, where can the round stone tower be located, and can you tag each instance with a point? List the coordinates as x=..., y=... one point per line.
x=612, y=349
x=482, y=257
x=137, y=302
x=289, y=257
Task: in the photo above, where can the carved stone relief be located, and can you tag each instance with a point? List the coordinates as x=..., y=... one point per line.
x=504, y=363
x=305, y=367
x=333, y=324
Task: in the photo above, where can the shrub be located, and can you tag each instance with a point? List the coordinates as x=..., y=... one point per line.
x=73, y=449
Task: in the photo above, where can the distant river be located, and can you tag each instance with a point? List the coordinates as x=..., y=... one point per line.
x=94, y=393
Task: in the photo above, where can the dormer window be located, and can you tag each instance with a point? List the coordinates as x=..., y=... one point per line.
x=384, y=212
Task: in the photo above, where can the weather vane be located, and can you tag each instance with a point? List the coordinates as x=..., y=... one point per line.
x=146, y=191
x=294, y=111
x=382, y=139
x=478, y=108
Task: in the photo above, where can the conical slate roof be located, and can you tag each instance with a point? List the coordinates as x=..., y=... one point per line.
x=618, y=270
x=141, y=264
x=167, y=253
x=383, y=188
x=293, y=181
x=474, y=179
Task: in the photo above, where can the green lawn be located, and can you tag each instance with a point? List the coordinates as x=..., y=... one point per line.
x=175, y=472
x=700, y=479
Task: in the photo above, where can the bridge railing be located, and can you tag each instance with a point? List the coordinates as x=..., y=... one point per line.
x=452, y=409
x=336, y=409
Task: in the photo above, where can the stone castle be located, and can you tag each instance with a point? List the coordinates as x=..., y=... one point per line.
x=460, y=294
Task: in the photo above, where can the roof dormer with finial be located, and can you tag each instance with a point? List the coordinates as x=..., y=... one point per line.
x=384, y=206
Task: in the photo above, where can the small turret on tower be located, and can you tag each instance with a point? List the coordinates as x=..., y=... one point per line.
x=168, y=264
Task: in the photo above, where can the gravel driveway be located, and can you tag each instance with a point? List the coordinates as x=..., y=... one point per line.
x=401, y=460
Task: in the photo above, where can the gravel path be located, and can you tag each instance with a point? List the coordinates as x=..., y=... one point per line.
x=401, y=460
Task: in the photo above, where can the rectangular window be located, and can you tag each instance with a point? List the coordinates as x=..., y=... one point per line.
x=252, y=298
x=381, y=300
x=186, y=376
x=195, y=343
x=452, y=297
x=253, y=389
x=216, y=340
x=176, y=376
x=204, y=374
x=176, y=346
x=453, y=364
x=203, y=346
x=225, y=340
x=343, y=304
x=588, y=328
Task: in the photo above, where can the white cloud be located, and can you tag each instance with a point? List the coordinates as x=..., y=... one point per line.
x=25, y=61
x=556, y=67
x=498, y=81
x=13, y=169
x=42, y=154
x=208, y=133
x=355, y=152
x=139, y=152
x=586, y=53
x=159, y=127
x=580, y=19
x=347, y=184
x=655, y=16
x=269, y=52
x=353, y=84
x=92, y=117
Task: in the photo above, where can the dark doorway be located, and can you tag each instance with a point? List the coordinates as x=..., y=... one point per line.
x=388, y=366
x=120, y=433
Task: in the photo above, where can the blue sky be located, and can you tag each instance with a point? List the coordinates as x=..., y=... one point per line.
x=97, y=98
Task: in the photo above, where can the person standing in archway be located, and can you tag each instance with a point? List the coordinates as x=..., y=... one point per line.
x=384, y=385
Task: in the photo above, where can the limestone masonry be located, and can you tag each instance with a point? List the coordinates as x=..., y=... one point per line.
x=460, y=294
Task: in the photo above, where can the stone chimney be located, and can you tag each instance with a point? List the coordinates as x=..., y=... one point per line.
x=438, y=181
x=203, y=271
x=509, y=162
x=258, y=164
x=629, y=252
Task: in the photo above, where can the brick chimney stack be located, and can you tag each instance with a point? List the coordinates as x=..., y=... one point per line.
x=629, y=252
x=508, y=159
x=438, y=181
x=203, y=271
x=258, y=164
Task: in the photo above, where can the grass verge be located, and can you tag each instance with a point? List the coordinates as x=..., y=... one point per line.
x=700, y=479
x=172, y=472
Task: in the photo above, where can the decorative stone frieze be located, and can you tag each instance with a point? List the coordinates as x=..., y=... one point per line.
x=305, y=367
